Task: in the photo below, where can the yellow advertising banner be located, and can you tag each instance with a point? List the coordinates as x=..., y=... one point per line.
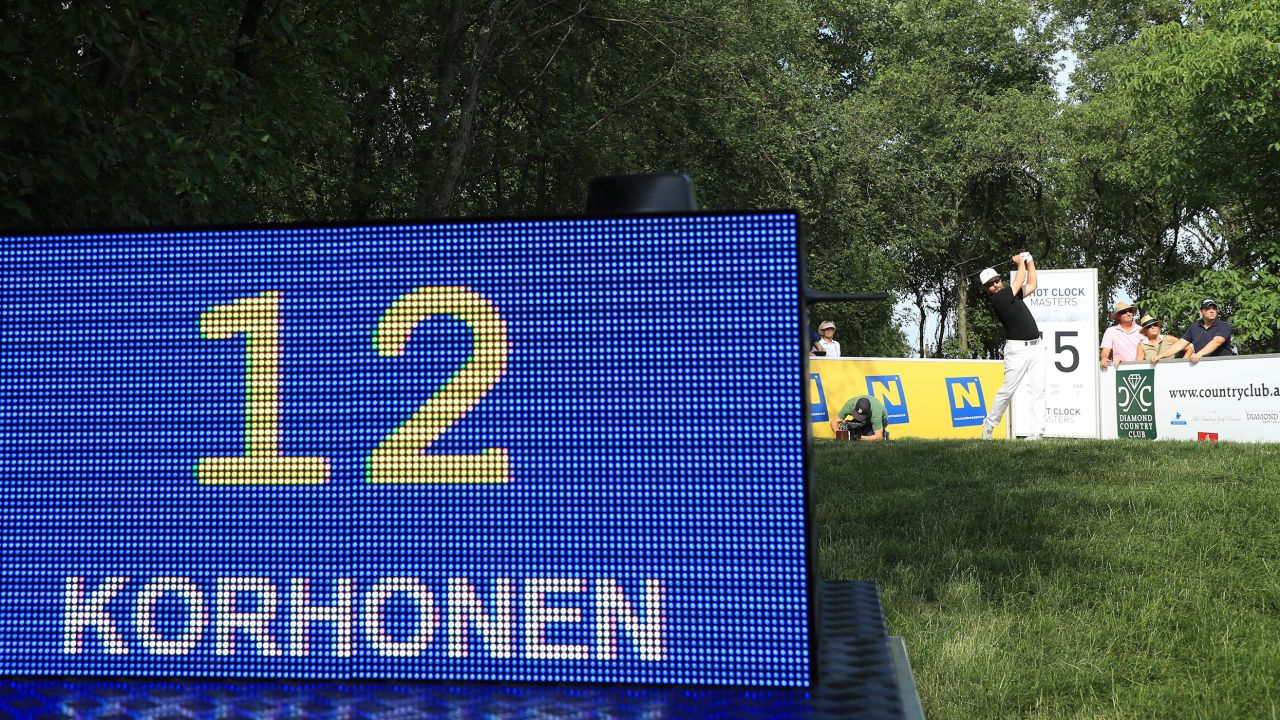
x=931, y=399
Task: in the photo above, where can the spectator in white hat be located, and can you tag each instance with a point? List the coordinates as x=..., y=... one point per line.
x=1120, y=341
x=1157, y=346
x=826, y=345
x=1023, y=352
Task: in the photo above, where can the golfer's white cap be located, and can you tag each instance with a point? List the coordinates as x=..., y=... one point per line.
x=987, y=276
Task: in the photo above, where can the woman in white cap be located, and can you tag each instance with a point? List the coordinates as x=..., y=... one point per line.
x=827, y=343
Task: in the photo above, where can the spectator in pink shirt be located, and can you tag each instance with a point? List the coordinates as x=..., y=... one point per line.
x=1120, y=341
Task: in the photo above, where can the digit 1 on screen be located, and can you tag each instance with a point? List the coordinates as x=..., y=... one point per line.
x=258, y=320
x=399, y=457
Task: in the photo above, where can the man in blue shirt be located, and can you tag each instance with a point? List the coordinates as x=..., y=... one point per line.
x=1210, y=337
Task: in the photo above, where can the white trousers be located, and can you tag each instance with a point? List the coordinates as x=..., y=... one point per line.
x=1021, y=361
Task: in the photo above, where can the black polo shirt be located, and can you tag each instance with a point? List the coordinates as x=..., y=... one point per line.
x=1199, y=336
x=1019, y=323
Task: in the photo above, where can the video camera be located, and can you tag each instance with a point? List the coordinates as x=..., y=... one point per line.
x=853, y=427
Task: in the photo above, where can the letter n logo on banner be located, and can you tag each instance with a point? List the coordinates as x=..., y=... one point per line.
x=968, y=407
x=817, y=400
x=888, y=389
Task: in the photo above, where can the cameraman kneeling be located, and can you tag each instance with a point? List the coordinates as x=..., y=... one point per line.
x=864, y=418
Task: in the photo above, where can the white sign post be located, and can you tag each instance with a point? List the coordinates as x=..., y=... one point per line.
x=1065, y=306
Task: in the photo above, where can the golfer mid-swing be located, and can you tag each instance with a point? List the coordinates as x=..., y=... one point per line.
x=1023, y=353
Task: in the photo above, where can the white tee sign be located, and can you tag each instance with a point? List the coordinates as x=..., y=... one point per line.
x=1065, y=307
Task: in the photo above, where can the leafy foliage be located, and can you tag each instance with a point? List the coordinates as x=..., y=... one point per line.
x=138, y=112
x=1213, y=86
x=1250, y=302
x=920, y=140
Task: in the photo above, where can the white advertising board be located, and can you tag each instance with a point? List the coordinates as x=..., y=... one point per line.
x=1233, y=398
x=1065, y=306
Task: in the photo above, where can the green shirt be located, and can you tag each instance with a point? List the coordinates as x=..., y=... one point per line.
x=879, y=415
x=1149, y=352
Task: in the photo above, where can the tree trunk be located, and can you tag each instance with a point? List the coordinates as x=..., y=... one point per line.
x=944, y=319
x=541, y=202
x=371, y=109
x=128, y=97
x=962, y=324
x=247, y=36
x=435, y=137
x=920, y=305
x=1047, y=249
x=361, y=194
x=499, y=203
x=441, y=197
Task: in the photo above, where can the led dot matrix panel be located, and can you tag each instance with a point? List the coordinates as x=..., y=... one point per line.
x=540, y=450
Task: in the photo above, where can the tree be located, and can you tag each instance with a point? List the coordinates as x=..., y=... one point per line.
x=137, y=113
x=1213, y=85
x=956, y=109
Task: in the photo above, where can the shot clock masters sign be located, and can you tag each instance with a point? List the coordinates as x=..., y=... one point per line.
x=1065, y=308
x=460, y=450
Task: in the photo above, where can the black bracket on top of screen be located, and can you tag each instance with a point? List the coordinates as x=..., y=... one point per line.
x=644, y=193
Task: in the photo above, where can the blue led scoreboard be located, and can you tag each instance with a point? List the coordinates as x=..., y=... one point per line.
x=538, y=450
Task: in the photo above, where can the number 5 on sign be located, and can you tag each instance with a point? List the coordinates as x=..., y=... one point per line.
x=399, y=458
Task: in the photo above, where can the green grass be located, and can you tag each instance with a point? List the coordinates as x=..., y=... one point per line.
x=1067, y=578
